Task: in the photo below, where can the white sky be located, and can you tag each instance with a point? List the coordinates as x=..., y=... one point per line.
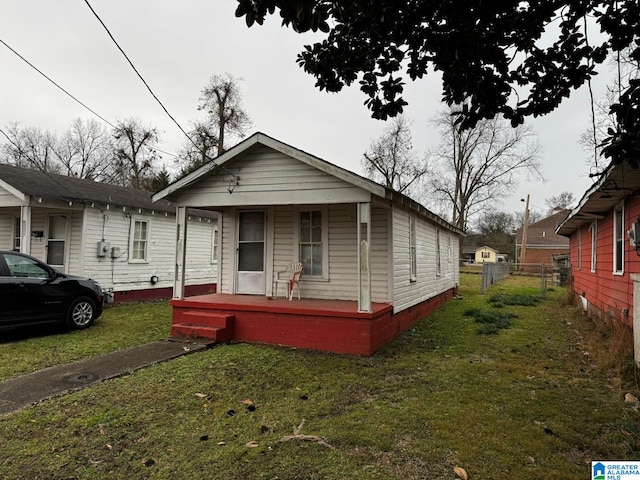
x=178, y=46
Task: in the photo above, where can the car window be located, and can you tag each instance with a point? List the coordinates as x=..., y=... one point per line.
x=20, y=266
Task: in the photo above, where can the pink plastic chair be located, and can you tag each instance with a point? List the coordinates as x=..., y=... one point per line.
x=289, y=277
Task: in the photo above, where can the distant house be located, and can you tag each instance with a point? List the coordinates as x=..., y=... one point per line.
x=375, y=261
x=542, y=242
x=486, y=254
x=604, y=235
x=114, y=235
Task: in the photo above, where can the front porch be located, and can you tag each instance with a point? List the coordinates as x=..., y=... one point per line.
x=328, y=325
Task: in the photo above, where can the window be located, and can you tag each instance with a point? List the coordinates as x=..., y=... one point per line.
x=486, y=255
x=618, y=240
x=579, y=248
x=594, y=245
x=139, y=241
x=413, y=260
x=312, y=242
x=23, y=267
x=16, y=235
x=214, y=244
x=438, y=264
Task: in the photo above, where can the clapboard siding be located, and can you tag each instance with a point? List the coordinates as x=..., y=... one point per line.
x=267, y=177
x=428, y=283
x=8, y=199
x=6, y=232
x=611, y=294
x=86, y=227
x=227, y=246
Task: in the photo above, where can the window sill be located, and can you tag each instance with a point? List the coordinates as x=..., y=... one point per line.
x=313, y=279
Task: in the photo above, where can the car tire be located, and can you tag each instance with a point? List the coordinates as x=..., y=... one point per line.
x=81, y=313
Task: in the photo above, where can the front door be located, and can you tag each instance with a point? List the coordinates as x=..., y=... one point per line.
x=250, y=275
x=56, y=241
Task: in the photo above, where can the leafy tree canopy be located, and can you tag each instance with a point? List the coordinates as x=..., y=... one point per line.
x=491, y=53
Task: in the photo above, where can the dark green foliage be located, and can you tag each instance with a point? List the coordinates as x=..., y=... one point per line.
x=490, y=322
x=484, y=51
x=500, y=300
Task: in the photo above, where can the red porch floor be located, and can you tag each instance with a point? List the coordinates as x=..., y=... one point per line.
x=329, y=325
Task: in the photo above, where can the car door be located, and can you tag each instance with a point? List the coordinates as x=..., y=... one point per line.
x=14, y=296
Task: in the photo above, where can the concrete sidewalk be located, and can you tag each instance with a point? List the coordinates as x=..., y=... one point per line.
x=19, y=392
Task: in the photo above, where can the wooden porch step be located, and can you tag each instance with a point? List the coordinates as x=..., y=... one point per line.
x=218, y=334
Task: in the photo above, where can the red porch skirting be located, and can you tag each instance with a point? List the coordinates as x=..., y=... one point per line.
x=328, y=325
x=160, y=293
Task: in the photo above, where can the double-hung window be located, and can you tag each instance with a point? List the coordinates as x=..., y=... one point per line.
x=438, y=262
x=16, y=234
x=312, y=242
x=594, y=245
x=139, y=242
x=413, y=257
x=618, y=240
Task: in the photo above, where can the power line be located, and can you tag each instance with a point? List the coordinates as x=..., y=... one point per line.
x=48, y=78
x=137, y=73
x=69, y=94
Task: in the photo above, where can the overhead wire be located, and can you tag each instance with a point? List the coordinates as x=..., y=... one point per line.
x=56, y=84
x=137, y=72
x=150, y=90
x=73, y=97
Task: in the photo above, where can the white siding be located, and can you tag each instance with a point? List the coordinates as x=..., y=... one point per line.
x=227, y=246
x=9, y=199
x=121, y=275
x=427, y=284
x=6, y=232
x=342, y=279
x=267, y=177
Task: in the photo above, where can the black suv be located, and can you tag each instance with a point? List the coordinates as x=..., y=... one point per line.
x=33, y=292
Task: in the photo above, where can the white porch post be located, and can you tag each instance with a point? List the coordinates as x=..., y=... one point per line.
x=25, y=228
x=181, y=252
x=364, y=257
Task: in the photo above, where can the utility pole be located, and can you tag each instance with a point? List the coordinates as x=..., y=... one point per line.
x=523, y=248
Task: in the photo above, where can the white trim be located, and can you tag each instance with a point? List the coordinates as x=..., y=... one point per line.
x=618, y=208
x=438, y=254
x=413, y=249
x=579, y=230
x=147, y=240
x=594, y=245
x=324, y=211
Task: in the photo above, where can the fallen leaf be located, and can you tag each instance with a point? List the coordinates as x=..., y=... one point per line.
x=461, y=473
x=102, y=431
x=222, y=443
x=247, y=401
x=109, y=447
x=252, y=444
x=148, y=462
x=201, y=395
x=630, y=398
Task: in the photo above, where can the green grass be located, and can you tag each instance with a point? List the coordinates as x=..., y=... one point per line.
x=527, y=404
x=119, y=327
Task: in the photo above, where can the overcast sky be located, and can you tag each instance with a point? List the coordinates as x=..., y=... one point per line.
x=178, y=46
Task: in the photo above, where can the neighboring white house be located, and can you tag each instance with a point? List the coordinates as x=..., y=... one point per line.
x=358, y=241
x=114, y=235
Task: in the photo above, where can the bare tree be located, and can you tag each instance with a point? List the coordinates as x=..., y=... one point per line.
x=221, y=99
x=199, y=150
x=562, y=200
x=479, y=166
x=135, y=154
x=84, y=150
x=30, y=147
x=391, y=160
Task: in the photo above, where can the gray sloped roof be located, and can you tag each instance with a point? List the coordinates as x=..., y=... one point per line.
x=70, y=189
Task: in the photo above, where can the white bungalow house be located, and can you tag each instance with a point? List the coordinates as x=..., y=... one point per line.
x=375, y=261
x=114, y=235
